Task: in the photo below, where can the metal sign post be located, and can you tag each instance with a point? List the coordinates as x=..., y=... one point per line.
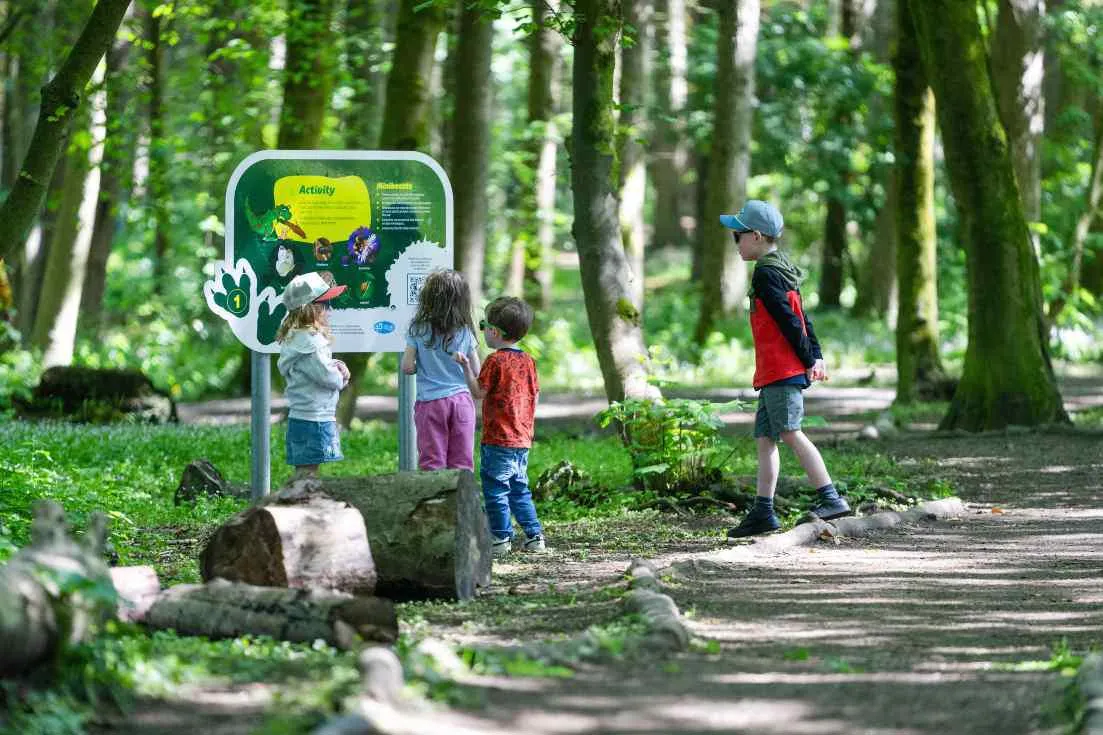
x=377, y=221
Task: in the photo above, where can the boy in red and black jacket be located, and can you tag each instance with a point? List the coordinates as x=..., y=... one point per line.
x=509, y=387
x=787, y=360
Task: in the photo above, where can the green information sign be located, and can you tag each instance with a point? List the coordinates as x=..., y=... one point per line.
x=377, y=221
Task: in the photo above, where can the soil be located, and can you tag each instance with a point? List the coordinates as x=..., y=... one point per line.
x=936, y=627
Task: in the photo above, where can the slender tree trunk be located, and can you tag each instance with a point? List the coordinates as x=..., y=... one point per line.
x=55, y=324
x=1007, y=376
x=632, y=131
x=1018, y=66
x=157, y=183
x=60, y=98
x=308, y=74
x=834, y=227
x=405, y=126
x=606, y=274
x=669, y=153
x=543, y=92
x=471, y=154
x=917, y=345
x=36, y=249
x=724, y=275
x=444, y=86
x=118, y=154
x=368, y=29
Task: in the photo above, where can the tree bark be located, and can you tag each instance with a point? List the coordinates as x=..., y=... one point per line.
x=405, y=127
x=428, y=531
x=543, y=94
x=308, y=74
x=369, y=25
x=60, y=99
x=669, y=154
x=118, y=154
x=138, y=588
x=307, y=541
x=607, y=277
x=157, y=182
x=632, y=130
x=723, y=273
x=918, y=365
x=1007, y=376
x=471, y=152
x=221, y=609
x=1018, y=73
x=52, y=591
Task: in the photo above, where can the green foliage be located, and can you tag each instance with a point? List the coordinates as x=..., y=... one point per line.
x=19, y=372
x=674, y=443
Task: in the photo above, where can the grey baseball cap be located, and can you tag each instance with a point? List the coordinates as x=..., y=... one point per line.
x=308, y=288
x=755, y=215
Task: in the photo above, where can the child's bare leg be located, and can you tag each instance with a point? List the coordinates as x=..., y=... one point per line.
x=769, y=465
x=809, y=457
x=305, y=471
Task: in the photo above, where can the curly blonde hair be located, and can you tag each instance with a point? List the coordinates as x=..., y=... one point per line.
x=312, y=317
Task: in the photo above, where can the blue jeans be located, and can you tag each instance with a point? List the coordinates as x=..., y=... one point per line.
x=504, y=471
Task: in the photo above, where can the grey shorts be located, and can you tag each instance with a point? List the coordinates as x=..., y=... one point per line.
x=780, y=408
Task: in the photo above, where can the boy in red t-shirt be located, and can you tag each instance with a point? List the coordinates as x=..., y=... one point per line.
x=509, y=388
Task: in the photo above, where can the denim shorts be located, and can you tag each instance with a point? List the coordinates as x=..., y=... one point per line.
x=780, y=409
x=312, y=442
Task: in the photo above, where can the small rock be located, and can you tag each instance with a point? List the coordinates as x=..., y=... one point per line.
x=382, y=674
x=869, y=433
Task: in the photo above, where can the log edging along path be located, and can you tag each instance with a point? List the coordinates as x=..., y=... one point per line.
x=1089, y=681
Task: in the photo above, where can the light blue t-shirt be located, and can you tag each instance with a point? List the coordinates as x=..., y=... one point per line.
x=438, y=375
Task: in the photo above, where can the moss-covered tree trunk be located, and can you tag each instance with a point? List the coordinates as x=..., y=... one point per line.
x=60, y=99
x=405, y=125
x=368, y=28
x=723, y=273
x=606, y=274
x=1007, y=376
x=471, y=152
x=917, y=358
x=159, y=154
x=308, y=73
x=634, y=72
x=668, y=143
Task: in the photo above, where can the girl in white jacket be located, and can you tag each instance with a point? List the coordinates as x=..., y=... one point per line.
x=313, y=377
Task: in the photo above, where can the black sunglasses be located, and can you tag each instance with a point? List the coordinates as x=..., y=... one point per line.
x=483, y=324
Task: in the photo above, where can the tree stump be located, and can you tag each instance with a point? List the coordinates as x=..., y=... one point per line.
x=98, y=395
x=52, y=591
x=222, y=609
x=137, y=587
x=429, y=533
x=201, y=477
x=305, y=540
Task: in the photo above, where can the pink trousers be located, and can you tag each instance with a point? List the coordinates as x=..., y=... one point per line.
x=445, y=432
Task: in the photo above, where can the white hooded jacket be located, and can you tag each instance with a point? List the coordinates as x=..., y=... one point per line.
x=313, y=380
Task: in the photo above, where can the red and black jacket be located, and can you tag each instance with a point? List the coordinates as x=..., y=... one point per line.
x=784, y=343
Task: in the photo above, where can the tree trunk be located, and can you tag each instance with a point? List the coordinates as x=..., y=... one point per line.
x=405, y=126
x=60, y=99
x=471, y=154
x=669, y=154
x=1018, y=64
x=430, y=533
x=308, y=541
x=918, y=365
x=157, y=182
x=308, y=74
x=221, y=609
x=118, y=153
x=1007, y=376
x=607, y=277
x=41, y=610
x=632, y=132
x=368, y=30
x=538, y=230
x=723, y=273
x=55, y=322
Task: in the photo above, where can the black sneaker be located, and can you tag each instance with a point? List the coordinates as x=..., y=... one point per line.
x=830, y=508
x=753, y=525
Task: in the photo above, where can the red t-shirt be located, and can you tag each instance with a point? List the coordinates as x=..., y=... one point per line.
x=509, y=408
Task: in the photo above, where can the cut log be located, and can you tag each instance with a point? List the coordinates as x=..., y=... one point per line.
x=308, y=541
x=137, y=587
x=201, y=477
x=429, y=533
x=52, y=591
x=221, y=609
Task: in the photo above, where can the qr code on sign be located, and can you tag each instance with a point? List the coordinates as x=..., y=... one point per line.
x=413, y=287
